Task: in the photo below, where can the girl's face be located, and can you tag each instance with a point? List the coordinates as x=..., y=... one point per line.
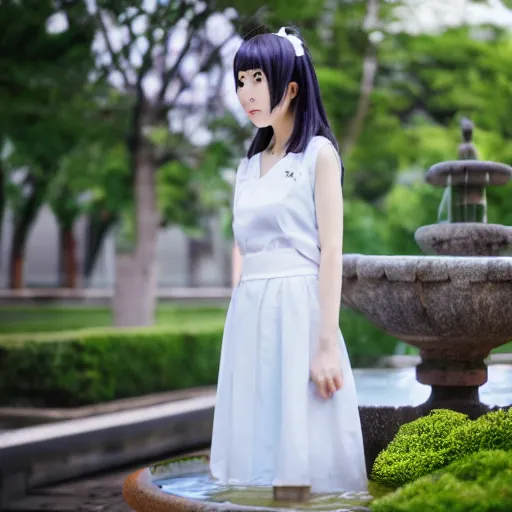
x=254, y=96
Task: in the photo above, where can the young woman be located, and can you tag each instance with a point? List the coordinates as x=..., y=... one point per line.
x=286, y=411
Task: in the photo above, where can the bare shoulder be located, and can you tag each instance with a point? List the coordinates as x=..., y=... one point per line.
x=327, y=162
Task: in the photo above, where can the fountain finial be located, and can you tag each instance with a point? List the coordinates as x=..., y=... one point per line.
x=467, y=150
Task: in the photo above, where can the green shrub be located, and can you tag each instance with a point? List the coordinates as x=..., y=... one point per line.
x=480, y=482
x=492, y=431
x=91, y=366
x=436, y=440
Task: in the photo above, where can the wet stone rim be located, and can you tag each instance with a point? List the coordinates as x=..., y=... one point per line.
x=143, y=495
x=428, y=268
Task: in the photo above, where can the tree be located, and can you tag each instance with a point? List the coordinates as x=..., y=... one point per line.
x=139, y=46
x=37, y=87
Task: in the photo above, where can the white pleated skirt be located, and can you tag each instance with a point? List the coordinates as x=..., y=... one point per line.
x=270, y=427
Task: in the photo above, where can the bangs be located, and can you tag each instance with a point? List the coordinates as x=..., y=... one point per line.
x=250, y=56
x=274, y=56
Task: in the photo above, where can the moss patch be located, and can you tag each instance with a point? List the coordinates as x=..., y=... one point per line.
x=480, y=482
x=438, y=439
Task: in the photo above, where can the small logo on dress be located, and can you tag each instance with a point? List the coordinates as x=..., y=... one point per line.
x=290, y=174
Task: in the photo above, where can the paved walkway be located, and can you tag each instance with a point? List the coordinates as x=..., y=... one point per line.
x=100, y=493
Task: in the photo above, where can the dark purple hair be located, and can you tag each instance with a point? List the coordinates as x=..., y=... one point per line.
x=275, y=56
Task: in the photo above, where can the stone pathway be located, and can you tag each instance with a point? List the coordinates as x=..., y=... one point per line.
x=100, y=493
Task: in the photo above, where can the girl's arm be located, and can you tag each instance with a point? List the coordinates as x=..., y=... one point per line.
x=325, y=368
x=329, y=210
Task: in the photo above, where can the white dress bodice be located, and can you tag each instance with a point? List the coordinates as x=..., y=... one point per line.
x=277, y=210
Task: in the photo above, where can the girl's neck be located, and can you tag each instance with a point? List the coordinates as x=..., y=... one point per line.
x=282, y=133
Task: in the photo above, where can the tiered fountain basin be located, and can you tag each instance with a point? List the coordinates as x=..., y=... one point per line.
x=185, y=485
x=465, y=239
x=481, y=173
x=454, y=309
x=467, y=233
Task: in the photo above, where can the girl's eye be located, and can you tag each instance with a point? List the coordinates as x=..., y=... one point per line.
x=257, y=77
x=240, y=83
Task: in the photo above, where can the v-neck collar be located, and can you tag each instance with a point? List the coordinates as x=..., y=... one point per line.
x=259, y=157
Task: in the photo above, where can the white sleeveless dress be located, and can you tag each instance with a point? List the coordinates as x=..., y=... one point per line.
x=270, y=427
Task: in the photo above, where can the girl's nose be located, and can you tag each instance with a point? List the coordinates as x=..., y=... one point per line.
x=248, y=96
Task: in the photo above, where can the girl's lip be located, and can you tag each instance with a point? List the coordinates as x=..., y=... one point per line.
x=253, y=111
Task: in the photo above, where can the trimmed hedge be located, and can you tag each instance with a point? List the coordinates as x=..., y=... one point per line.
x=76, y=368
x=480, y=482
x=438, y=439
x=88, y=366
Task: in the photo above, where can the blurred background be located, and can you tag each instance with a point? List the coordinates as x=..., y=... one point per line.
x=120, y=135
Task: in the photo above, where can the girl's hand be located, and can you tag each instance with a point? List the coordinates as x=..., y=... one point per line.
x=326, y=372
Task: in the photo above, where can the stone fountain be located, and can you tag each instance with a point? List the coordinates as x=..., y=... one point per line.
x=455, y=304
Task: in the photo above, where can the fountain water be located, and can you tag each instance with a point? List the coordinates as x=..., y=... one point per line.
x=455, y=306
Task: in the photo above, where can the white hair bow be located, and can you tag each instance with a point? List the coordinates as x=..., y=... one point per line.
x=296, y=42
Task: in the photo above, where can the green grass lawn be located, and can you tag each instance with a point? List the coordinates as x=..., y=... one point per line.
x=23, y=319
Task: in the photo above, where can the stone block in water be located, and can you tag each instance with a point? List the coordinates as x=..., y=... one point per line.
x=292, y=493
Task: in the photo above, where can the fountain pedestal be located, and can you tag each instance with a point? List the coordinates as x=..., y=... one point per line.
x=451, y=380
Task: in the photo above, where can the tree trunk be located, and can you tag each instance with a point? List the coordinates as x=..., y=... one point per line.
x=134, y=301
x=98, y=226
x=16, y=270
x=68, y=261
x=22, y=225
